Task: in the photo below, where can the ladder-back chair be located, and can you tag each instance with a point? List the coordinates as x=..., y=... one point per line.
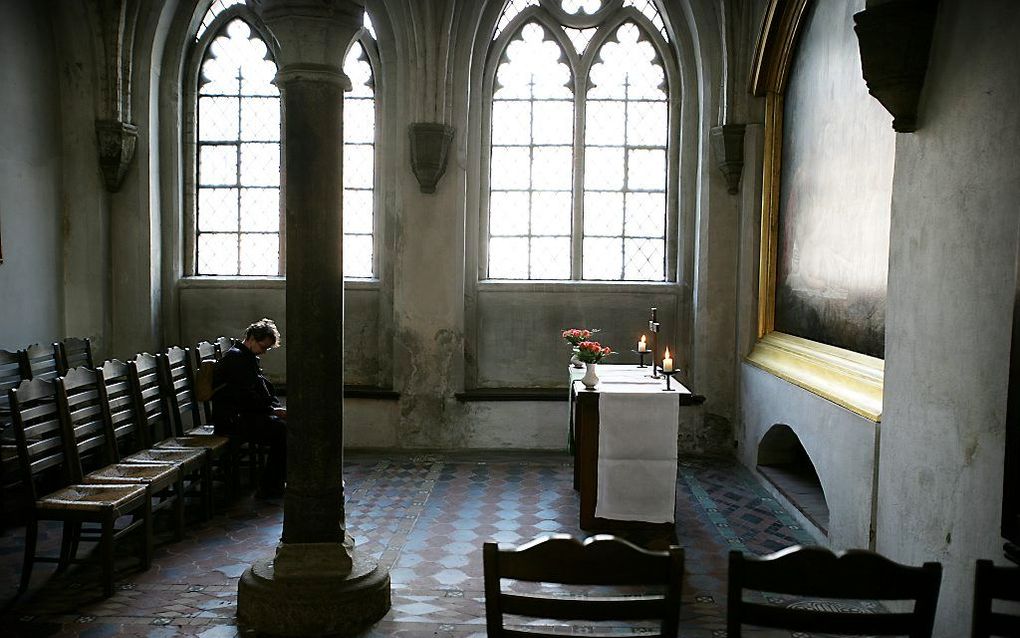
x=73, y=352
x=124, y=430
x=42, y=448
x=993, y=583
x=92, y=458
x=816, y=572
x=642, y=585
x=151, y=399
x=39, y=362
x=205, y=351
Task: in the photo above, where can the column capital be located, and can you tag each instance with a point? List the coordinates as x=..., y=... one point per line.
x=312, y=34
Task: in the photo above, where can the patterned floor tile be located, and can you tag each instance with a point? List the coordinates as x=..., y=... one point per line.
x=425, y=518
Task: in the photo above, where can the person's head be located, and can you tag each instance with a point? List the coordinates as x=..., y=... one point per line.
x=261, y=336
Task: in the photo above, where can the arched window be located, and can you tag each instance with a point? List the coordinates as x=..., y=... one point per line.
x=238, y=229
x=580, y=155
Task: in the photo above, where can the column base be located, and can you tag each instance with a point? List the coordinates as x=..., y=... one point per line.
x=329, y=606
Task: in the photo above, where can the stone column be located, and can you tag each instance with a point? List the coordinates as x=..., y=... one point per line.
x=316, y=584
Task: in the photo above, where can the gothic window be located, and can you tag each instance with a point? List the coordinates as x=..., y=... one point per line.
x=238, y=226
x=579, y=157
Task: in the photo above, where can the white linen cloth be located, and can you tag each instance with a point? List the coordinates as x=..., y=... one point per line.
x=637, y=452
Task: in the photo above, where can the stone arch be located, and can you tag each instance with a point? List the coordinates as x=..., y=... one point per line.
x=784, y=462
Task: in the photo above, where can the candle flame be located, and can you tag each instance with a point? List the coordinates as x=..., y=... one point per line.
x=642, y=338
x=667, y=354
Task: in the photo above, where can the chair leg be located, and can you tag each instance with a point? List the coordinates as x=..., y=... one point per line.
x=68, y=544
x=106, y=554
x=147, y=527
x=207, y=491
x=31, y=536
x=179, y=509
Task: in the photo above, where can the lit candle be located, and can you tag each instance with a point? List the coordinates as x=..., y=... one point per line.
x=642, y=346
x=667, y=362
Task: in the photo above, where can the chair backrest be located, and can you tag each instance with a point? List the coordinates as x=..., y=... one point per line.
x=651, y=582
x=37, y=432
x=995, y=583
x=816, y=572
x=73, y=352
x=223, y=344
x=150, y=403
x=39, y=362
x=125, y=430
x=84, y=421
x=178, y=380
x=10, y=377
x=205, y=351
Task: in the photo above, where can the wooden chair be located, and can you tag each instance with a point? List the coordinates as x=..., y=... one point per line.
x=39, y=362
x=995, y=583
x=223, y=344
x=42, y=448
x=600, y=561
x=92, y=458
x=10, y=377
x=124, y=431
x=205, y=351
x=158, y=424
x=73, y=352
x=816, y=572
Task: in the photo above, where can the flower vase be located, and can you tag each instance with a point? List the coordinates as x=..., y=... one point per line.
x=590, y=379
x=574, y=361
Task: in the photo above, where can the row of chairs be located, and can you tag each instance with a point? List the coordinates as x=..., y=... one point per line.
x=612, y=579
x=121, y=441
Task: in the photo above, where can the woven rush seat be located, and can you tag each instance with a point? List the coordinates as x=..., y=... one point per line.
x=93, y=497
x=188, y=459
x=155, y=474
x=202, y=430
x=210, y=442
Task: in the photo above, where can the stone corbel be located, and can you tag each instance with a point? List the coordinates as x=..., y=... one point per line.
x=430, y=147
x=113, y=26
x=895, y=39
x=117, y=142
x=728, y=146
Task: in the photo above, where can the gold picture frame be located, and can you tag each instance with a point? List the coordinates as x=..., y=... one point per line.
x=849, y=379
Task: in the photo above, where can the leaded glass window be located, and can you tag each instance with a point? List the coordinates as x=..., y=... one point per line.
x=237, y=211
x=238, y=224
x=579, y=155
x=359, y=163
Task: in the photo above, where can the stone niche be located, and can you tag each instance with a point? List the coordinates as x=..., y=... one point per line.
x=784, y=462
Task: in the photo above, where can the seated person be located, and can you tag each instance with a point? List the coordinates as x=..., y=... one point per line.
x=245, y=403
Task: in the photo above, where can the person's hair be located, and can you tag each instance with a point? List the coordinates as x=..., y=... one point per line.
x=262, y=329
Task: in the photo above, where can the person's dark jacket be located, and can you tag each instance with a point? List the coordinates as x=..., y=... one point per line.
x=242, y=390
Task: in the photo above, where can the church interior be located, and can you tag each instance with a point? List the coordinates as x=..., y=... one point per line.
x=814, y=205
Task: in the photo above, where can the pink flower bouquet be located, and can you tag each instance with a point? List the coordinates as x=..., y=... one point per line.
x=592, y=351
x=575, y=336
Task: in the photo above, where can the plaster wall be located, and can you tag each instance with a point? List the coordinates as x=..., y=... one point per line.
x=952, y=270
x=213, y=307
x=30, y=220
x=84, y=200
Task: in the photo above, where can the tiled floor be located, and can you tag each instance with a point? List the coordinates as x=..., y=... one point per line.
x=425, y=517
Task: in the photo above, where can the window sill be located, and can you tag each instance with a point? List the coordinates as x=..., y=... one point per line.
x=255, y=283
x=516, y=285
x=512, y=394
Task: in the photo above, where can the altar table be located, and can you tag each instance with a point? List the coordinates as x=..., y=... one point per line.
x=623, y=435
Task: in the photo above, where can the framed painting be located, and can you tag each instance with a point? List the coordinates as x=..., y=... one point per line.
x=828, y=163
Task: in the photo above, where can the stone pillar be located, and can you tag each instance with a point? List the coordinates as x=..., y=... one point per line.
x=316, y=584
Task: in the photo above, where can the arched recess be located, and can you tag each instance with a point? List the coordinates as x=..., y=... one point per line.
x=784, y=462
